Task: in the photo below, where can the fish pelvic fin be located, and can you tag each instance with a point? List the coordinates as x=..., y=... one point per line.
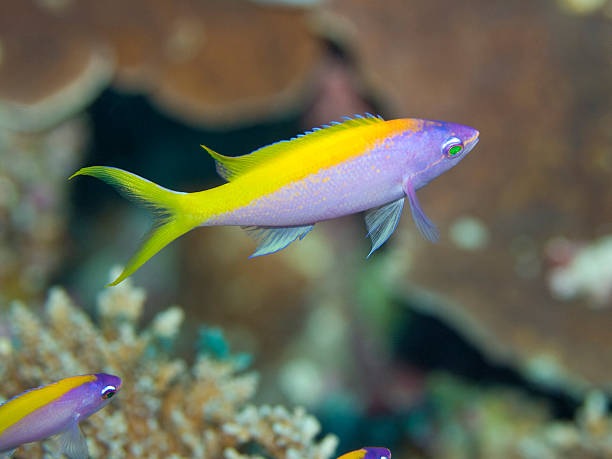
x=72, y=443
x=382, y=221
x=171, y=219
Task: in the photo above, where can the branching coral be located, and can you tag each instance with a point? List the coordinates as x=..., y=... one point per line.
x=166, y=408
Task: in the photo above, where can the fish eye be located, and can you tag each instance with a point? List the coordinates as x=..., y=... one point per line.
x=452, y=147
x=108, y=392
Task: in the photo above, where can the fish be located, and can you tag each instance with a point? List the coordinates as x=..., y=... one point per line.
x=369, y=452
x=280, y=191
x=54, y=409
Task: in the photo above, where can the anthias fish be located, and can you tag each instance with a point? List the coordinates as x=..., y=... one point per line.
x=280, y=191
x=368, y=453
x=55, y=409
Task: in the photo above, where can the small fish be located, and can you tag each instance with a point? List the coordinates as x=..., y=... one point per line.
x=280, y=191
x=55, y=409
x=368, y=453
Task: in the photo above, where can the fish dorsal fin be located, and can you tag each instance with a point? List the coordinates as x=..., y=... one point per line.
x=230, y=167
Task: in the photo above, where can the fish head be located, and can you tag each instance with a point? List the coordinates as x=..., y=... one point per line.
x=441, y=145
x=377, y=453
x=96, y=394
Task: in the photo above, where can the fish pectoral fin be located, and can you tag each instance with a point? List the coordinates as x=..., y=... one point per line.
x=273, y=239
x=72, y=443
x=382, y=221
x=427, y=228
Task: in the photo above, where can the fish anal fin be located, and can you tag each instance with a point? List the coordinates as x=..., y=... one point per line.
x=427, y=228
x=72, y=443
x=273, y=239
x=382, y=221
x=230, y=167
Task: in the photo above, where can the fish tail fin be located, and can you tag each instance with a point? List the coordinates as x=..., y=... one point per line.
x=171, y=219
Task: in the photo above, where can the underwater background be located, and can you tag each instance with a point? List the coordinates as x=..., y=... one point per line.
x=494, y=343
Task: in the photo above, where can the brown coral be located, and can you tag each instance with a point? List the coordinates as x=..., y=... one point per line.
x=535, y=82
x=213, y=62
x=51, y=66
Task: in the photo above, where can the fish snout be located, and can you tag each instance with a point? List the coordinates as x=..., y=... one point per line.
x=473, y=140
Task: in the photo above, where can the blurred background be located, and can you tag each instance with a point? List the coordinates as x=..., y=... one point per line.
x=494, y=343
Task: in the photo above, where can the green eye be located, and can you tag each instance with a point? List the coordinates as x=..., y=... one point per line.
x=452, y=147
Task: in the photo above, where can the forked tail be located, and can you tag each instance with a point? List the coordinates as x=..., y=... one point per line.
x=170, y=221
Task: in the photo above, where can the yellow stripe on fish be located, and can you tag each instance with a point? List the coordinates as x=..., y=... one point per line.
x=359, y=454
x=270, y=168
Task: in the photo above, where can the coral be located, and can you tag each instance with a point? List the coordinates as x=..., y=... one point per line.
x=33, y=209
x=589, y=436
x=525, y=75
x=48, y=76
x=211, y=62
x=283, y=434
x=166, y=408
x=493, y=423
x=587, y=272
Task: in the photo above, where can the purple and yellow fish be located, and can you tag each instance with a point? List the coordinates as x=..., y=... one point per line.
x=280, y=191
x=55, y=409
x=368, y=453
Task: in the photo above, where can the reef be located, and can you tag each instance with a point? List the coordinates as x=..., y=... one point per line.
x=176, y=52
x=166, y=408
x=501, y=423
x=34, y=205
x=522, y=273
x=540, y=172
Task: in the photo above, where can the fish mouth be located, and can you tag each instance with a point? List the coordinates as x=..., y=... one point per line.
x=472, y=141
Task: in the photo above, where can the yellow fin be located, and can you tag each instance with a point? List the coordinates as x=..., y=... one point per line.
x=230, y=167
x=171, y=219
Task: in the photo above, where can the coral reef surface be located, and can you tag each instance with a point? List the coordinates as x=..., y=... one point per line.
x=167, y=408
